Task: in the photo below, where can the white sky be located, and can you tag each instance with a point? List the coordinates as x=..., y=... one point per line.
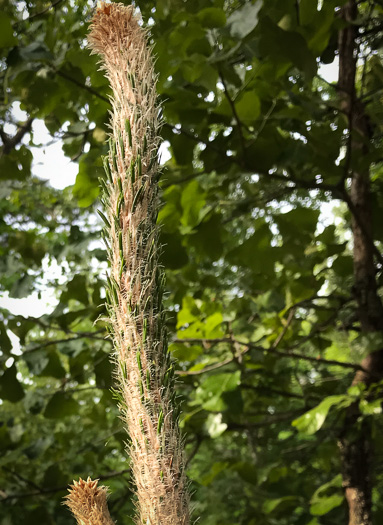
x=50, y=163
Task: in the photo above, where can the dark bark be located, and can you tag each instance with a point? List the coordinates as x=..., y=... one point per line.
x=356, y=440
x=9, y=143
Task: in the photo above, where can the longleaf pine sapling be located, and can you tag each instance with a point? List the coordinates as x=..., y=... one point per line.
x=144, y=370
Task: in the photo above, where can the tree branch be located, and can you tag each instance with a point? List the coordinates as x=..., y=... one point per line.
x=89, y=89
x=45, y=492
x=265, y=389
x=66, y=340
x=9, y=143
x=276, y=418
x=194, y=451
x=40, y=13
x=251, y=346
x=235, y=115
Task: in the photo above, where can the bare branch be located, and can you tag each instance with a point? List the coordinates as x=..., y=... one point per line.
x=250, y=346
x=90, y=90
x=235, y=115
x=40, y=13
x=45, y=492
x=9, y=143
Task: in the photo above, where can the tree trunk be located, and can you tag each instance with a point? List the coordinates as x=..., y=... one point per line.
x=355, y=440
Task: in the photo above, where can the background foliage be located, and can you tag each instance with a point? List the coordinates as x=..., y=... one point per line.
x=261, y=307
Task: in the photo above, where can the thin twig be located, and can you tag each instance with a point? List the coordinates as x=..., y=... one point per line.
x=195, y=138
x=22, y=478
x=81, y=85
x=319, y=360
x=235, y=115
x=40, y=13
x=194, y=450
x=285, y=328
x=9, y=143
x=276, y=418
x=265, y=389
x=207, y=368
x=251, y=346
x=263, y=123
x=66, y=340
x=44, y=492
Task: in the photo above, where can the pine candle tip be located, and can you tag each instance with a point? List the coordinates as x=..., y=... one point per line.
x=103, y=7
x=87, y=502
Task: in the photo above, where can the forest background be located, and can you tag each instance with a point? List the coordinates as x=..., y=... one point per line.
x=271, y=224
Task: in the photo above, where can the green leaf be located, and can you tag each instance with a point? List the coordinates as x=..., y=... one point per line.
x=36, y=360
x=305, y=219
x=195, y=320
x=207, y=240
x=266, y=151
x=22, y=287
x=334, y=482
x=103, y=370
x=247, y=471
x=10, y=387
x=76, y=290
x=54, y=477
x=34, y=402
x=319, y=29
x=366, y=343
x=60, y=406
x=213, y=325
x=173, y=255
x=279, y=504
x=248, y=107
x=209, y=393
x=256, y=252
x=192, y=70
x=5, y=342
x=16, y=165
x=212, y=17
x=214, y=425
x=313, y=420
x=5, y=438
x=86, y=188
x=192, y=201
x=170, y=214
x=370, y=408
x=163, y=8
x=39, y=515
x=214, y=471
x=343, y=265
x=244, y=19
x=307, y=11
x=189, y=312
x=54, y=367
x=7, y=39
x=184, y=352
x=42, y=93
x=20, y=326
x=286, y=47
x=38, y=447
x=182, y=146
x=322, y=503
x=35, y=52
